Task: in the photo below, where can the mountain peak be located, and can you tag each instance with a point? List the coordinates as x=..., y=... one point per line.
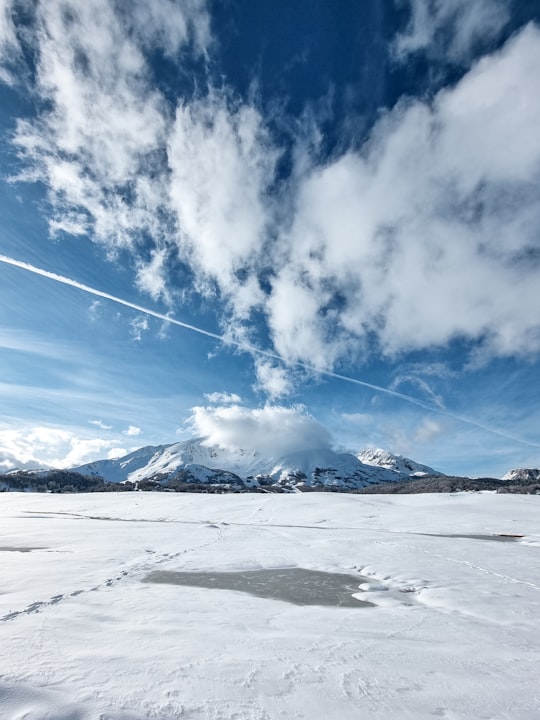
x=382, y=458
x=193, y=461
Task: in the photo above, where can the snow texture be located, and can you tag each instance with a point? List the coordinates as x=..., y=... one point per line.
x=453, y=632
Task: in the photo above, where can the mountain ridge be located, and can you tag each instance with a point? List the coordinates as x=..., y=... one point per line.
x=197, y=466
x=197, y=461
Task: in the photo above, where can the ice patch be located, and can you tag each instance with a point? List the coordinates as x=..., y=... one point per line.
x=293, y=585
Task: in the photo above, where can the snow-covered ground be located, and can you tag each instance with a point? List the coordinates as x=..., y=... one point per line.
x=454, y=632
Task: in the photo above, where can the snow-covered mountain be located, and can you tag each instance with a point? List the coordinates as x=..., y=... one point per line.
x=398, y=463
x=523, y=475
x=193, y=461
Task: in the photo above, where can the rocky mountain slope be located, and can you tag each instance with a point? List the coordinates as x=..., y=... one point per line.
x=195, y=466
x=523, y=475
x=398, y=463
x=194, y=462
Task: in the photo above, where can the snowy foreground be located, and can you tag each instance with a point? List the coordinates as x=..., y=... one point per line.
x=454, y=631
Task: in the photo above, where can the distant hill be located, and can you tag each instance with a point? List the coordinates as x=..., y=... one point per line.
x=451, y=483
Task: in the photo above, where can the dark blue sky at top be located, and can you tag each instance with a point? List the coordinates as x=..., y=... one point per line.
x=331, y=58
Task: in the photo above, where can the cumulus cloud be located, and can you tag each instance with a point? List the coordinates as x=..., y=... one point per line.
x=132, y=431
x=409, y=240
x=272, y=379
x=222, y=164
x=116, y=452
x=400, y=245
x=152, y=277
x=99, y=145
x=273, y=430
x=47, y=447
x=451, y=29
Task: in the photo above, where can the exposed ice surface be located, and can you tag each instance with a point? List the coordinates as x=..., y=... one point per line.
x=294, y=585
x=453, y=632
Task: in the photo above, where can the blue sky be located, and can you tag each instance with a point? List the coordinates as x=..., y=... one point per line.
x=344, y=196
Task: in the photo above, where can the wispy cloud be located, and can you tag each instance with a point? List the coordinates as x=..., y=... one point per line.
x=98, y=145
x=257, y=352
x=138, y=325
x=107, y=296
x=34, y=343
x=220, y=398
x=427, y=430
x=9, y=45
x=451, y=30
x=421, y=384
x=358, y=418
x=94, y=310
x=100, y=424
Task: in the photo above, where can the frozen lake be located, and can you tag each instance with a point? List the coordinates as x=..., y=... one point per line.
x=295, y=585
x=134, y=606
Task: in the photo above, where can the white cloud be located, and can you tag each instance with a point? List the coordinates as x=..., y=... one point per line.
x=100, y=424
x=94, y=310
x=138, y=326
x=47, y=447
x=171, y=25
x=132, y=431
x=151, y=276
x=428, y=430
x=273, y=430
x=400, y=245
x=222, y=164
x=451, y=29
x=272, y=379
x=418, y=383
x=223, y=398
x=9, y=45
x=97, y=146
x=413, y=239
x=36, y=344
x=116, y=452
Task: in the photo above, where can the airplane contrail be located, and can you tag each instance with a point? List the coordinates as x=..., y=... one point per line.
x=247, y=347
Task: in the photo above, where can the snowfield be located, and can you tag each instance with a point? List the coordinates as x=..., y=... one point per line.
x=452, y=629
